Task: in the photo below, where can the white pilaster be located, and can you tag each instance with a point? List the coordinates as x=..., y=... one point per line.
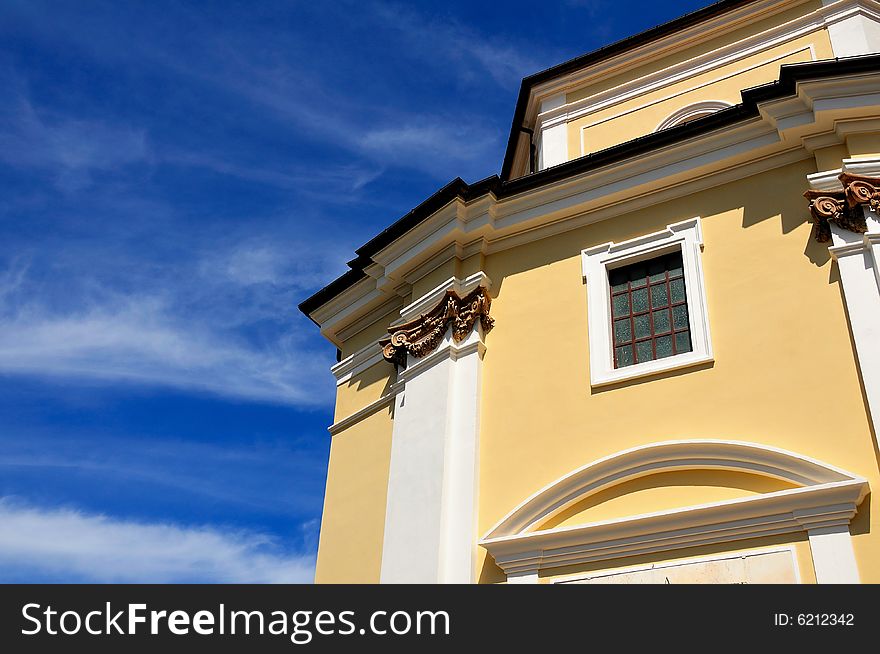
x=859, y=266
x=855, y=30
x=431, y=510
x=523, y=578
x=833, y=557
x=552, y=137
x=858, y=261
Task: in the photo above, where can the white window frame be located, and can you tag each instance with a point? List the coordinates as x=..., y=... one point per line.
x=686, y=236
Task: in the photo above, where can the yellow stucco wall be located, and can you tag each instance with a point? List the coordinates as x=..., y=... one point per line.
x=784, y=375
x=353, y=522
x=641, y=115
x=664, y=62
x=780, y=339
x=665, y=491
x=362, y=389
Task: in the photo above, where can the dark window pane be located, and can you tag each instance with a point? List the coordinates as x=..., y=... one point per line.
x=620, y=305
x=622, y=331
x=624, y=356
x=661, y=321
x=675, y=266
x=676, y=287
x=643, y=326
x=683, y=342
x=643, y=351
x=664, y=346
x=618, y=279
x=637, y=275
x=680, y=316
x=659, y=296
x=640, y=300
x=657, y=270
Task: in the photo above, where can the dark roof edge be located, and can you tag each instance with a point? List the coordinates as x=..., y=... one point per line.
x=605, y=52
x=789, y=75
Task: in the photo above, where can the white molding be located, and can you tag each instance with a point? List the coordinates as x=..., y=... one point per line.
x=691, y=111
x=827, y=180
x=695, y=66
x=655, y=458
x=682, y=562
x=552, y=102
x=360, y=414
x=869, y=166
x=430, y=299
x=523, y=578
x=833, y=557
x=826, y=497
x=854, y=31
x=650, y=534
x=780, y=136
x=369, y=319
x=685, y=236
x=357, y=363
x=579, y=113
x=852, y=25
x=551, y=143
x=597, y=211
x=680, y=41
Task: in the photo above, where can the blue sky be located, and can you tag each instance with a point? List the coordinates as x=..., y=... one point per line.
x=174, y=178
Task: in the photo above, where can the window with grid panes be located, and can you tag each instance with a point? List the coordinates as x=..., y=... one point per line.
x=649, y=310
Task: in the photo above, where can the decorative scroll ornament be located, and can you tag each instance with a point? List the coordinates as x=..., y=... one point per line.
x=861, y=190
x=832, y=207
x=422, y=335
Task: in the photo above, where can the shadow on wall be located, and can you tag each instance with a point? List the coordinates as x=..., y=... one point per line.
x=765, y=202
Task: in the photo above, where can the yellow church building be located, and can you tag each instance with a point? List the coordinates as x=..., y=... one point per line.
x=647, y=351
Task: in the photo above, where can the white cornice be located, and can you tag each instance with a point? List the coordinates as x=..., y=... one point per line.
x=783, y=512
x=367, y=320
x=371, y=408
x=731, y=53
x=827, y=180
x=677, y=42
x=691, y=68
x=779, y=136
x=826, y=496
x=356, y=363
x=430, y=299
x=541, y=115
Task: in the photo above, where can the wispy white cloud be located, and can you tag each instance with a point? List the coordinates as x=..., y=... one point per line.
x=138, y=341
x=434, y=144
x=71, y=150
x=310, y=101
x=332, y=183
x=222, y=321
x=12, y=278
x=63, y=544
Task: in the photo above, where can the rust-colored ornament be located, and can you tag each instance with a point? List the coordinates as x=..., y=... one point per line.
x=422, y=335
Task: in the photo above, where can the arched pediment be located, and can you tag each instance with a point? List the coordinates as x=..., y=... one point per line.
x=816, y=494
x=692, y=112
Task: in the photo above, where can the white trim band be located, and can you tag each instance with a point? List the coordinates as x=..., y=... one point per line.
x=827, y=498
